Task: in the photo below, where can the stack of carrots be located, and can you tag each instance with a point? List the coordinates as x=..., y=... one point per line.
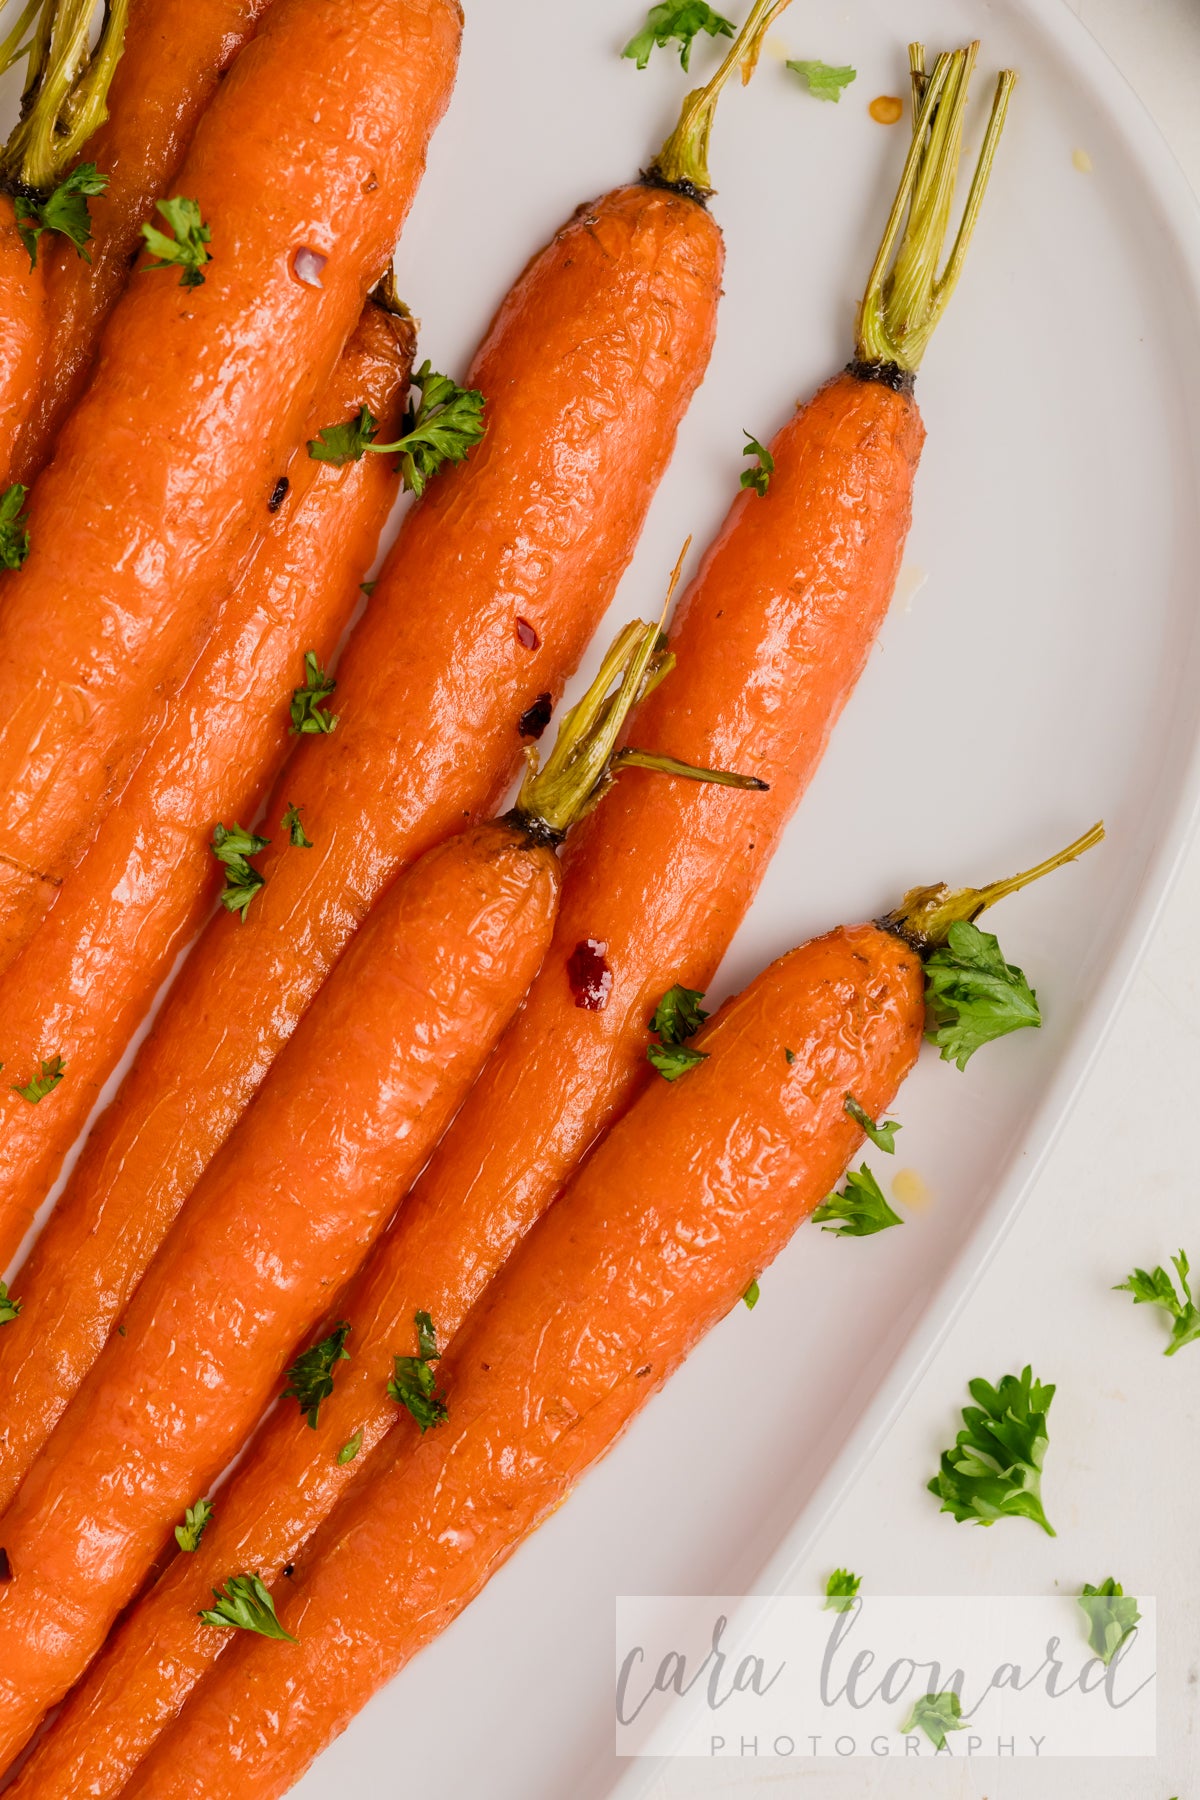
x=346, y=1170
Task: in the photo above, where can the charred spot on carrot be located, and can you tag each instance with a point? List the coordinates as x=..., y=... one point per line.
x=278, y=494
x=535, y=718
x=589, y=974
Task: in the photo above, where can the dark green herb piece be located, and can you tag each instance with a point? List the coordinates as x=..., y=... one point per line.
x=14, y=538
x=310, y=1378
x=10, y=1306
x=340, y=444
x=674, y=1060
x=678, y=1015
x=232, y=845
x=443, y=428
x=65, y=211
x=840, y=1590
x=759, y=477
x=1156, y=1288
x=293, y=825
x=972, y=995
x=859, y=1210
x=679, y=22
x=309, y=718
x=882, y=1136
x=349, y=1451
x=994, y=1470
x=195, y=1518
x=412, y=1384
x=1111, y=1614
x=750, y=1297
x=186, y=251
x=52, y=1072
x=245, y=1604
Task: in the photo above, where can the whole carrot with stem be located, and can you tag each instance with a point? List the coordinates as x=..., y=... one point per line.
x=209, y=368
x=797, y=580
x=63, y=103
x=175, y=54
x=81, y=988
x=487, y=600
x=693, y=1193
x=368, y=1083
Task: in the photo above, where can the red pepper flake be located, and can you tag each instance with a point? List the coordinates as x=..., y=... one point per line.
x=527, y=637
x=535, y=718
x=589, y=974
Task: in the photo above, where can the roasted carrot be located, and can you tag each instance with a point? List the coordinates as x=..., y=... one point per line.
x=798, y=579
x=329, y=112
x=80, y=989
x=497, y=580
x=692, y=1194
x=63, y=103
x=368, y=1083
x=176, y=52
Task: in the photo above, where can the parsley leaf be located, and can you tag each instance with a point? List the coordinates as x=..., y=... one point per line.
x=245, y=1604
x=291, y=823
x=840, y=1590
x=308, y=700
x=824, y=81
x=186, y=250
x=935, y=1715
x=994, y=1470
x=1111, y=1615
x=443, y=428
x=882, y=1136
x=310, y=1378
x=674, y=1060
x=678, y=1015
x=412, y=1384
x=65, y=210
x=232, y=845
x=10, y=1306
x=349, y=1451
x=860, y=1210
x=339, y=444
x=14, y=539
x=751, y=1296
x=972, y=995
x=195, y=1518
x=53, y=1070
x=1157, y=1289
x=676, y=21
x=758, y=478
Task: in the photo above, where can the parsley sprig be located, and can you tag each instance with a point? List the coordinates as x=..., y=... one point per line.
x=882, y=1136
x=65, y=210
x=677, y=1017
x=310, y=1378
x=188, y=250
x=1156, y=1288
x=935, y=1715
x=824, y=81
x=679, y=22
x=973, y=996
x=443, y=428
x=350, y=1449
x=195, y=1520
x=412, y=1385
x=859, y=1210
x=308, y=715
x=759, y=476
x=232, y=845
x=994, y=1470
x=841, y=1590
x=1111, y=1614
x=293, y=824
x=14, y=538
x=246, y=1605
x=10, y=1306
x=53, y=1069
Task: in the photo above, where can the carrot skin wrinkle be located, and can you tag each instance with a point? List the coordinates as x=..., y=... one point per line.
x=692, y=1194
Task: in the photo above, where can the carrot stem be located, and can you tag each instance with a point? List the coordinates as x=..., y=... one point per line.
x=66, y=90
x=905, y=295
x=925, y=915
x=683, y=159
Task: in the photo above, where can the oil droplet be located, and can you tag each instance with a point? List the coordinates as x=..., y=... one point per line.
x=886, y=109
x=911, y=1191
x=1082, y=161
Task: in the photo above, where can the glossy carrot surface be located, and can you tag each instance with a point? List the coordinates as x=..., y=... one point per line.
x=316, y=141
x=81, y=988
x=690, y=1197
x=24, y=337
x=282, y=1219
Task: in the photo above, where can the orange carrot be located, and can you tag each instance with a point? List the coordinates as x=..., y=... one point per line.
x=23, y=335
x=176, y=52
x=660, y=876
x=461, y=637
x=370, y=1080
x=80, y=989
x=692, y=1194
x=328, y=112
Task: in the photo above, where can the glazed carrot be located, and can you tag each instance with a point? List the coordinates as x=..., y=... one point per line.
x=81, y=988
x=328, y=114
x=692, y=1194
x=62, y=104
x=496, y=582
x=661, y=876
x=176, y=52
x=368, y=1083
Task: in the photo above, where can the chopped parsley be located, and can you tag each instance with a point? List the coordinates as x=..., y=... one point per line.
x=245, y=1604
x=310, y=1378
x=195, y=1518
x=674, y=1060
x=825, y=82
x=65, y=211
x=1156, y=1288
x=751, y=1296
x=52, y=1071
x=292, y=823
x=859, y=1210
x=14, y=538
x=412, y=1384
x=233, y=845
x=678, y=1015
x=443, y=428
x=994, y=1470
x=972, y=995
x=187, y=251
x=841, y=1590
x=882, y=1136
x=676, y=22
x=308, y=715
x=1111, y=1614
x=10, y=1306
x=350, y=1450
x=759, y=477
x=935, y=1715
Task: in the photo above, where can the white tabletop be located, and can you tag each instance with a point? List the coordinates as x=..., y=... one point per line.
x=1121, y=1474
